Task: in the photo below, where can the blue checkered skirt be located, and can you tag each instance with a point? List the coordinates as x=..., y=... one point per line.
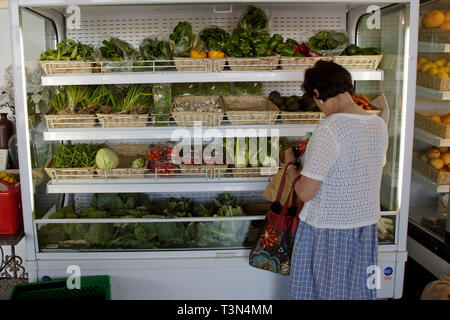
x=331, y=264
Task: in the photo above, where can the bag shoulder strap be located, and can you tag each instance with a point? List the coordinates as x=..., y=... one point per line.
x=281, y=186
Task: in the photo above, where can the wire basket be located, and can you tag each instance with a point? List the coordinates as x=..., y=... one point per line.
x=68, y=173
x=206, y=170
x=70, y=120
x=127, y=153
x=434, y=35
x=192, y=64
x=422, y=120
x=67, y=66
x=255, y=172
x=123, y=120
x=254, y=64
x=190, y=118
x=250, y=109
x=301, y=117
x=300, y=63
x=432, y=82
x=364, y=62
x=430, y=172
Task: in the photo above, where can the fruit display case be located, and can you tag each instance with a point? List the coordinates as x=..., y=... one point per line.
x=176, y=267
x=429, y=222
x=433, y=61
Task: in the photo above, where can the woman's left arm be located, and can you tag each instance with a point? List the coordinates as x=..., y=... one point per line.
x=305, y=188
x=319, y=157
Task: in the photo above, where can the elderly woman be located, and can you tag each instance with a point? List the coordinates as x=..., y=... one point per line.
x=336, y=240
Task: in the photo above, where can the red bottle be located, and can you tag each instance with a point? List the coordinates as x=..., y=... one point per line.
x=11, y=220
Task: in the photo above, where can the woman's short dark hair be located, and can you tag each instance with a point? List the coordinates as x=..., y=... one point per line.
x=329, y=78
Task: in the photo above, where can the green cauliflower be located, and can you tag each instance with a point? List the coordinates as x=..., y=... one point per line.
x=77, y=231
x=93, y=213
x=64, y=213
x=100, y=234
x=143, y=234
x=51, y=234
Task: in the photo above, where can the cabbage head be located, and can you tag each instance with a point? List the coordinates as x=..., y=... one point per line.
x=106, y=159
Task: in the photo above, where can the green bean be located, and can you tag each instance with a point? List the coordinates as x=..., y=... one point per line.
x=75, y=156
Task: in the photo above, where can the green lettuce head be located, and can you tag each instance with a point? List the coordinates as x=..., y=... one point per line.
x=106, y=159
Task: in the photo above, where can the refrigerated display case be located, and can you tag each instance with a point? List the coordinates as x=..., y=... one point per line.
x=429, y=223
x=208, y=257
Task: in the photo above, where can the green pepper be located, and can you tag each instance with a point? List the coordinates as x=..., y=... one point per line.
x=291, y=42
x=351, y=50
x=262, y=51
x=275, y=41
x=234, y=39
x=245, y=46
x=265, y=37
x=287, y=52
x=371, y=51
x=280, y=47
x=242, y=34
x=297, y=54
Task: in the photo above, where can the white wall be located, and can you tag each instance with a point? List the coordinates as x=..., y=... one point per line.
x=5, y=61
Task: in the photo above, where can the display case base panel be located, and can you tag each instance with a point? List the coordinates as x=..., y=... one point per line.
x=201, y=278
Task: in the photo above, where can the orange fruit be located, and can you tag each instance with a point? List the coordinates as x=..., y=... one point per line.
x=436, y=118
x=433, y=154
x=433, y=19
x=437, y=163
x=446, y=158
x=446, y=119
x=445, y=25
x=443, y=149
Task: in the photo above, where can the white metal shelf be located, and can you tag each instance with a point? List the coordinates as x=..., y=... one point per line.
x=432, y=94
x=151, y=220
x=430, y=138
x=155, y=133
x=433, y=47
x=157, y=186
x=425, y=182
x=63, y=3
x=182, y=77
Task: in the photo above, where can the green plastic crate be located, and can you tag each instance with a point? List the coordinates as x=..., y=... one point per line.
x=91, y=288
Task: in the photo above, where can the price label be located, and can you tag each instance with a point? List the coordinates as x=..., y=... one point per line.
x=3, y=159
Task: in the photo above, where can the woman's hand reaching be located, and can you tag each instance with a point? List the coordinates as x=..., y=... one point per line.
x=289, y=156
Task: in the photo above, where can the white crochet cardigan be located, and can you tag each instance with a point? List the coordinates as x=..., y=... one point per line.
x=347, y=153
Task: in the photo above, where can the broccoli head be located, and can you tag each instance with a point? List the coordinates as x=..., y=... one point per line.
x=100, y=234
x=143, y=234
x=51, y=234
x=64, y=213
x=77, y=231
x=93, y=213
